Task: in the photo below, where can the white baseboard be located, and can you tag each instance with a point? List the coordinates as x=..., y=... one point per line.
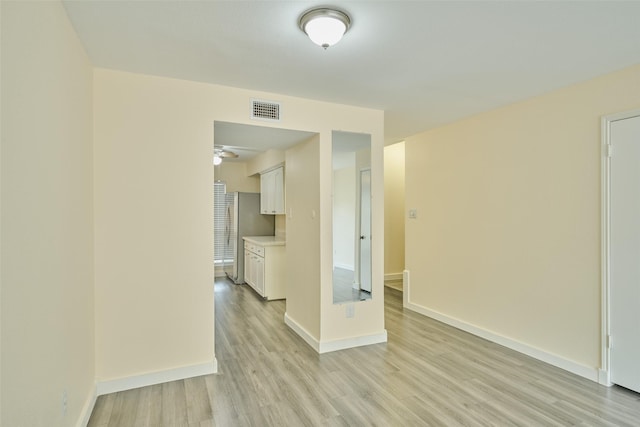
x=302, y=332
x=550, y=358
x=151, y=378
x=604, y=378
x=334, y=345
x=392, y=277
x=342, y=344
x=87, y=409
x=406, y=288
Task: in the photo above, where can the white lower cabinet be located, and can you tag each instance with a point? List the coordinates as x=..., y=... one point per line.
x=264, y=270
x=259, y=275
x=254, y=267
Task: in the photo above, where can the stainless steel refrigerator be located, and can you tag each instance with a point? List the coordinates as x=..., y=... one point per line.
x=243, y=218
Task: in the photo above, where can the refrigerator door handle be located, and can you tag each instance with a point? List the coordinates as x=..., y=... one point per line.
x=227, y=228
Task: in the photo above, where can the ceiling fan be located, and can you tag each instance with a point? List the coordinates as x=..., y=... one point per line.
x=220, y=153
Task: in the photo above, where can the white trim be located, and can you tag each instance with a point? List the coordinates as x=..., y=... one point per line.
x=553, y=359
x=392, y=276
x=87, y=409
x=302, y=332
x=334, y=345
x=358, y=255
x=271, y=168
x=604, y=376
x=604, y=251
x=405, y=288
x=344, y=343
x=151, y=378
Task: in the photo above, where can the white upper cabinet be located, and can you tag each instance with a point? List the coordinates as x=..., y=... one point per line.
x=272, y=192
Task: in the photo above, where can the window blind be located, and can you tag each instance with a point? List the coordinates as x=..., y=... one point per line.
x=219, y=215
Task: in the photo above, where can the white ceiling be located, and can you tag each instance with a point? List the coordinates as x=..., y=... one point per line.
x=425, y=63
x=247, y=140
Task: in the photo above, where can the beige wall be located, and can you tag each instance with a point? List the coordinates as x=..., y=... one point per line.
x=153, y=201
x=267, y=160
x=303, y=235
x=507, y=237
x=1, y=276
x=2, y=96
x=47, y=227
x=394, y=212
x=153, y=206
x=234, y=174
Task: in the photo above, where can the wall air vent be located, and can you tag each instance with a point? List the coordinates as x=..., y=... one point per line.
x=265, y=110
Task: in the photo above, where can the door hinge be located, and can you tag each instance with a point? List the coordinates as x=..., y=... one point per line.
x=609, y=150
x=608, y=341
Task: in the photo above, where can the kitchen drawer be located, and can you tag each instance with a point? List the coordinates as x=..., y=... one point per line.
x=253, y=248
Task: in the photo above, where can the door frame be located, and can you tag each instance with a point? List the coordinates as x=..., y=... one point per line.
x=604, y=373
x=359, y=230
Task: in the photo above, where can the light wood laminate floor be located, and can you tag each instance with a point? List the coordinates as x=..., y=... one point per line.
x=427, y=374
x=394, y=284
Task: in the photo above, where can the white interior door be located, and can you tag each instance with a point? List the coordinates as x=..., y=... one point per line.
x=624, y=303
x=365, y=230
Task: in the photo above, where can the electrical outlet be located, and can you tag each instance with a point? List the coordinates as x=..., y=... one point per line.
x=65, y=399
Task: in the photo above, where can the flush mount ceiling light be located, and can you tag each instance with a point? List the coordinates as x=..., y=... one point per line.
x=325, y=27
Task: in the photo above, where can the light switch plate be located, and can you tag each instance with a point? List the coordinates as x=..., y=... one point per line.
x=413, y=213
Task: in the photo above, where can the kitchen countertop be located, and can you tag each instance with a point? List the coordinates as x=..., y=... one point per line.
x=265, y=240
